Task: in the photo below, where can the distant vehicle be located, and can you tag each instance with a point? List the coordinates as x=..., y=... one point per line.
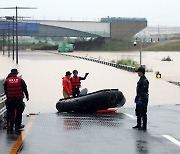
x=65, y=47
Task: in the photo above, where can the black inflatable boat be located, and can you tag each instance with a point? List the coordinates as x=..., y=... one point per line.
x=89, y=103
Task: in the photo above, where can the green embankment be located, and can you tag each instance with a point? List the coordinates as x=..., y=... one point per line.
x=127, y=45
x=101, y=44
x=171, y=45
x=115, y=45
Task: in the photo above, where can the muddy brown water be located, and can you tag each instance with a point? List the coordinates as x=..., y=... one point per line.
x=43, y=72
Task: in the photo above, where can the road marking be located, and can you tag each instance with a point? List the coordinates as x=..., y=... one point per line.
x=21, y=138
x=129, y=115
x=172, y=139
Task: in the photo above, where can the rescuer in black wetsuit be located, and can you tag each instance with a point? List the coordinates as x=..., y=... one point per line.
x=141, y=99
x=15, y=88
x=76, y=83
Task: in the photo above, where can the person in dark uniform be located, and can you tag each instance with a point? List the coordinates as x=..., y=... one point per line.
x=15, y=88
x=76, y=83
x=141, y=99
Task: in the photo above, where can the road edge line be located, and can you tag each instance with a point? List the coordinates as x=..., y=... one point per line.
x=23, y=135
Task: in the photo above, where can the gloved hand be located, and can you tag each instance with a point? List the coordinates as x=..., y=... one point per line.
x=27, y=98
x=86, y=74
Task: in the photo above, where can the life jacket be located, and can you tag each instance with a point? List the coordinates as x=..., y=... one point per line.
x=67, y=87
x=14, y=87
x=75, y=82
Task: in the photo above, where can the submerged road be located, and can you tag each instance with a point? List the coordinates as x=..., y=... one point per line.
x=50, y=132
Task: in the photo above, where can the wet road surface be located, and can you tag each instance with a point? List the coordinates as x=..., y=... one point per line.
x=98, y=133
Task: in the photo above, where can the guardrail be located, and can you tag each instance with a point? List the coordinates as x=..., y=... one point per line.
x=175, y=82
x=2, y=100
x=119, y=66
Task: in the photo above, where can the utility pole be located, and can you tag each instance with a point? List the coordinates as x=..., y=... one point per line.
x=16, y=8
x=17, y=54
x=8, y=41
x=12, y=18
x=13, y=37
x=3, y=42
x=140, y=49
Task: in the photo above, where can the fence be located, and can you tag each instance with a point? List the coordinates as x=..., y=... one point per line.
x=2, y=100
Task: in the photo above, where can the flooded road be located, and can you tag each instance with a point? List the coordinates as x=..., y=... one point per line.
x=43, y=72
x=152, y=60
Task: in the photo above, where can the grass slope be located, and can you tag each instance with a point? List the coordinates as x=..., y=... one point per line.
x=172, y=45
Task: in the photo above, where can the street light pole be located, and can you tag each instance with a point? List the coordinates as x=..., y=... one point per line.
x=140, y=52
x=16, y=37
x=16, y=8
x=12, y=18
x=13, y=37
x=3, y=42
x=8, y=41
x=140, y=49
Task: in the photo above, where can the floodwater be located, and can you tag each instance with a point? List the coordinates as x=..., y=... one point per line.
x=169, y=69
x=43, y=72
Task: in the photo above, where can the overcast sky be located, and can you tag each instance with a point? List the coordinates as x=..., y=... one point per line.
x=157, y=12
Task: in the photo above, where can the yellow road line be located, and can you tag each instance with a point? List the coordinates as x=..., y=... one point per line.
x=21, y=138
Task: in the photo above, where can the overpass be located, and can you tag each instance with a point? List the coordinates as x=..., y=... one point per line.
x=114, y=28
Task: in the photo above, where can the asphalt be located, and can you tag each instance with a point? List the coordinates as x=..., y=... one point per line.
x=70, y=133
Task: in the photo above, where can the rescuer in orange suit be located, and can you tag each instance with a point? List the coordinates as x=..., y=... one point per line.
x=15, y=88
x=76, y=83
x=67, y=87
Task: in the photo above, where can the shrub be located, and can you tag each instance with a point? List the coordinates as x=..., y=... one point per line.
x=166, y=59
x=128, y=62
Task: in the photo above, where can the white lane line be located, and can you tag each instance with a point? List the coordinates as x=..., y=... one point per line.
x=172, y=139
x=129, y=115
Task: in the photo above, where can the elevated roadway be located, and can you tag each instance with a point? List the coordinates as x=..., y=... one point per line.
x=114, y=28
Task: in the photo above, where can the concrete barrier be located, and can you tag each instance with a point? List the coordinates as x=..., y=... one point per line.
x=112, y=64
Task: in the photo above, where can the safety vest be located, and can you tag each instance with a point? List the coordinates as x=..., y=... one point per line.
x=75, y=82
x=67, y=87
x=14, y=87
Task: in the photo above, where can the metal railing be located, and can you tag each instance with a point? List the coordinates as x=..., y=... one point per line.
x=2, y=87
x=2, y=100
